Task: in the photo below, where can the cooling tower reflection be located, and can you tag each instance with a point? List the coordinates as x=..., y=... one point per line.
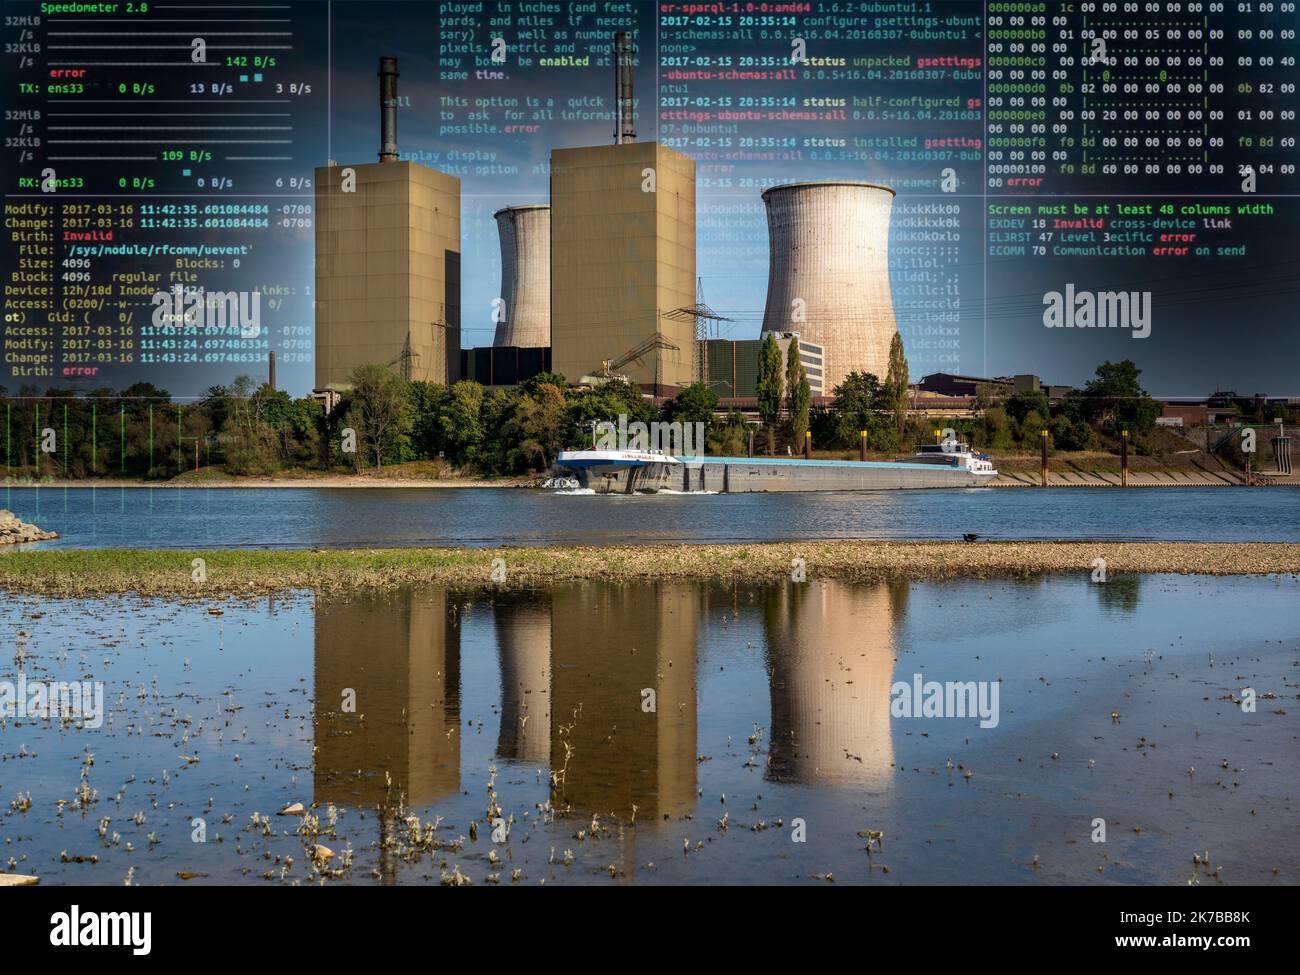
x=523, y=633
x=831, y=649
x=397, y=656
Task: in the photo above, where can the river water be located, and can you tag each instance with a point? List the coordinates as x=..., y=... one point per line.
x=354, y=517
x=656, y=733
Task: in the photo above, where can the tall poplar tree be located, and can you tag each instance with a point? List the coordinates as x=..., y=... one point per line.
x=768, y=387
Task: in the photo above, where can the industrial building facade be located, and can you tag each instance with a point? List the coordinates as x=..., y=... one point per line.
x=387, y=272
x=733, y=365
x=622, y=260
x=504, y=365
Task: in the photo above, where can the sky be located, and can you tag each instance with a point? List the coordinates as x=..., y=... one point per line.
x=1224, y=321
x=1216, y=323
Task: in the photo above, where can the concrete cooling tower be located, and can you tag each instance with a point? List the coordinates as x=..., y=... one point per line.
x=828, y=276
x=525, y=233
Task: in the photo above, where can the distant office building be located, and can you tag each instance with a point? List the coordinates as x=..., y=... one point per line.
x=733, y=365
x=1185, y=414
x=1226, y=400
x=387, y=263
x=952, y=384
x=622, y=263
x=813, y=357
x=503, y=365
x=1029, y=383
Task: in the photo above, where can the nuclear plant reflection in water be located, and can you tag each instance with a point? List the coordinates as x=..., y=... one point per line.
x=523, y=631
x=831, y=648
x=387, y=719
x=598, y=684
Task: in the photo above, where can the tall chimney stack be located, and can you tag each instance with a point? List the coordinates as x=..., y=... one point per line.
x=623, y=130
x=271, y=370
x=387, y=110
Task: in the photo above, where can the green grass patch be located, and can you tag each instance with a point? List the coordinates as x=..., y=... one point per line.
x=245, y=572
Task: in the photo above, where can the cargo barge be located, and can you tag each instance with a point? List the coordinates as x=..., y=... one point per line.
x=947, y=465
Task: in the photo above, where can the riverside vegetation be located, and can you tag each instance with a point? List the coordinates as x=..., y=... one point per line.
x=468, y=430
x=173, y=573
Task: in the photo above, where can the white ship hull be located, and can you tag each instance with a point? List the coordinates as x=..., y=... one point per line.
x=628, y=472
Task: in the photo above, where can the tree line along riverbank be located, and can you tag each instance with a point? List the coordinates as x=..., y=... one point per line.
x=466, y=432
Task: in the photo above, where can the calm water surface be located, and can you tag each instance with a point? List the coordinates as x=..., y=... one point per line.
x=664, y=733
x=346, y=517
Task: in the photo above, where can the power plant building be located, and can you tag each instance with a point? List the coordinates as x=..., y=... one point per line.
x=503, y=365
x=828, y=275
x=622, y=261
x=387, y=263
x=524, y=316
x=733, y=365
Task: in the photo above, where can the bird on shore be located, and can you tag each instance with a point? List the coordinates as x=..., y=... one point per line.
x=969, y=537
